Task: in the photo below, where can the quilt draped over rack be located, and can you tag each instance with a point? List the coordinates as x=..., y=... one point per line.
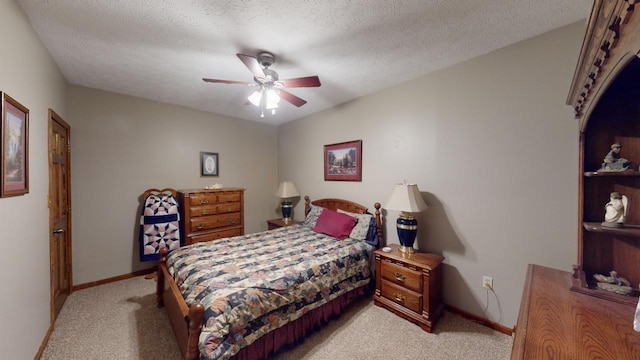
x=159, y=226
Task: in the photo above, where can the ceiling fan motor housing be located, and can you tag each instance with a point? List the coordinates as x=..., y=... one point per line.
x=266, y=58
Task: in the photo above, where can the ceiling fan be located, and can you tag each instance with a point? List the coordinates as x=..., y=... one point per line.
x=271, y=88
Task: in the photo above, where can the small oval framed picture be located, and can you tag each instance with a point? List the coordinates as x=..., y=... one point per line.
x=208, y=164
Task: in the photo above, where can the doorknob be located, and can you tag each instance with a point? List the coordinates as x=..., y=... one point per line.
x=58, y=231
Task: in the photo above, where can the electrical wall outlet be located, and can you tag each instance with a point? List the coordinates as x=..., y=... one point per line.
x=487, y=282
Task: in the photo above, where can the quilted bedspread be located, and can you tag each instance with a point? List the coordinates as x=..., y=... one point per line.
x=252, y=284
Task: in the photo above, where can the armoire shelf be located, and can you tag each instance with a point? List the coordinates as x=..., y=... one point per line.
x=581, y=285
x=627, y=230
x=611, y=173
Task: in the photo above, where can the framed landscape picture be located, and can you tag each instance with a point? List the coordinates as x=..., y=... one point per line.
x=208, y=164
x=343, y=161
x=14, y=156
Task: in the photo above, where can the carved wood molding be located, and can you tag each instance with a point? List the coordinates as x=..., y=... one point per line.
x=610, y=36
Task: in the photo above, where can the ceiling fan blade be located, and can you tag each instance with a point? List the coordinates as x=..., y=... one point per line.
x=309, y=81
x=292, y=98
x=253, y=65
x=228, y=81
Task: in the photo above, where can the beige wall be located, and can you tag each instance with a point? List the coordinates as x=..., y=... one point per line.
x=29, y=75
x=122, y=145
x=494, y=151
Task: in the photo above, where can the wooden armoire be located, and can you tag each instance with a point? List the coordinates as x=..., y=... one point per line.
x=605, y=94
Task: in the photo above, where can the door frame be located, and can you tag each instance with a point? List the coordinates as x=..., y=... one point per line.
x=53, y=116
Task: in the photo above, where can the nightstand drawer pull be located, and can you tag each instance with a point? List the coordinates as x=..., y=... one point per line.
x=205, y=212
x=200, y=226
x=398, y=276
x=399, y=297
x=204, y=201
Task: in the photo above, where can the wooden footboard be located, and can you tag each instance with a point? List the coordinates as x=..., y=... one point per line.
x=186, y=321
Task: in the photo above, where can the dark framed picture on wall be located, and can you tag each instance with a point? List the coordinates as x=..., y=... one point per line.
x=15, y=148
x=208, y=164
x=343, y=161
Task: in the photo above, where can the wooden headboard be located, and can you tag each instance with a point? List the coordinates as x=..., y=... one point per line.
x=346, y=205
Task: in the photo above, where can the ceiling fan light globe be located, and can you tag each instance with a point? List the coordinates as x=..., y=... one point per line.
x=272, y=99
x=255, y=98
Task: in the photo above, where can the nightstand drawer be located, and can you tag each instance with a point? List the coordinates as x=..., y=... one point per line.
x=407, y=298
x=411, y=279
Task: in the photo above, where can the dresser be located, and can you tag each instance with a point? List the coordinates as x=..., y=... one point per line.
x=557, y=323
x=207, y=215
x=410, y=285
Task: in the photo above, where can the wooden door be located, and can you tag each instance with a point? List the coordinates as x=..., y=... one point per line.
x=59, y=212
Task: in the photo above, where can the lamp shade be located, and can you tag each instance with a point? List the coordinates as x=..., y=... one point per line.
x=407, y=198
x=286, y=190
x=255, y=98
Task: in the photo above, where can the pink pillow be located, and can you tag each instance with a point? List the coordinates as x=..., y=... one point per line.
x=335, y=224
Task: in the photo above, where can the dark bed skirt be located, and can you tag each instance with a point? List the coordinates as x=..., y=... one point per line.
x=295, y=331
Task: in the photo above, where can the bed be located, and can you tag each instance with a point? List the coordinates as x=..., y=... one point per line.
x=281, y=283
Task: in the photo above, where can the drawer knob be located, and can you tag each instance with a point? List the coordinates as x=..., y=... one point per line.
x=229, y=199
x=399, y=297
x=200, y=227
x=204, y=201
x=234, y=221
x=398, y=276
x=205, y=212
x=229, y=210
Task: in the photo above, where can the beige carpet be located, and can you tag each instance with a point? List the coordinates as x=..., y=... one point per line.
x=120, y=321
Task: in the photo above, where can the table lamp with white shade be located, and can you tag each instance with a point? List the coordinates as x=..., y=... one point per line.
x=286, y=191
x=406, y=198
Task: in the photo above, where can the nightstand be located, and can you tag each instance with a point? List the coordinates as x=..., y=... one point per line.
x=410, y=285
x=278, y=223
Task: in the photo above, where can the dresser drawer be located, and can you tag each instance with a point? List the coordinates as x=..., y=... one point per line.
x=216, y=235
x=403, y=276
x=198, y=199
x=198, y=211
x=212, y=222
x=228, y=197
x=402, y=296
x=228, y=208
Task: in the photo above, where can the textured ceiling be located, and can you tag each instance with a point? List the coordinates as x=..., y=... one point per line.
x=161, y=49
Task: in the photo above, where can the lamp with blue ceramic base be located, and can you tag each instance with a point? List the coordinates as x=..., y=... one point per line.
x=406, y=198
x=285, y=191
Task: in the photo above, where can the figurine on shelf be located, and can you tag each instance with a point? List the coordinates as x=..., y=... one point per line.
x=613, y=161
x=615, y=210
x=613, y=283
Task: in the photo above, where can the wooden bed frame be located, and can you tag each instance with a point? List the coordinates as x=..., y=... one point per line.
x=187, y=320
